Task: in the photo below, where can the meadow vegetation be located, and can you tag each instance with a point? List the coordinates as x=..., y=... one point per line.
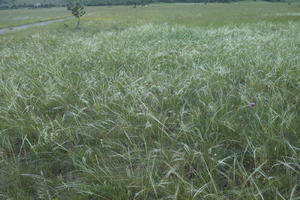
x=152, y=103
x=15, y=17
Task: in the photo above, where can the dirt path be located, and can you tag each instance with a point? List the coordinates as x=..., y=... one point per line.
x=26, y=26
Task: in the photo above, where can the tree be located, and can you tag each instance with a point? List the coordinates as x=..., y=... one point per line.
x=13, y=3
x=78, y=11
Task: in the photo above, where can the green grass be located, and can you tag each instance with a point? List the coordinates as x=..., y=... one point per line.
x=15, y=17
x=154, y=107
x=212, y=15
x=190, y=15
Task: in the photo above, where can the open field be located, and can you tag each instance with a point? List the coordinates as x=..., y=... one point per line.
x=196, y=14
x=14, y=17
x=153, y=103
x=181, y=14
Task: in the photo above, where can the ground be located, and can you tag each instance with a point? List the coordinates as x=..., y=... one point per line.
x=153, y=103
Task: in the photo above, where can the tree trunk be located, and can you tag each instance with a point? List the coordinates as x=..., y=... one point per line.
x=78, y=22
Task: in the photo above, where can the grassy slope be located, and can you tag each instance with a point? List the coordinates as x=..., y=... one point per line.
x=26, y=16
x=116, y=111
x=184, y=14
x=194, y=14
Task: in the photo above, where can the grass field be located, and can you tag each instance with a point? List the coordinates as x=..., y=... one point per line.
x=153, y=103
x=190, y=15
x=196, y=14
x=15, y=17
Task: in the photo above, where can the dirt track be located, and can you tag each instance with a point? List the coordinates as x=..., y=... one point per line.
x=26, y=26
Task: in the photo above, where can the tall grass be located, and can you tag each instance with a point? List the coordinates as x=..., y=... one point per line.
x=151, y=112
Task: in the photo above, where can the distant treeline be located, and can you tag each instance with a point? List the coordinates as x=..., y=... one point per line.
x=7, y=4
x=28, y=5
x=142, y=2
x=146, y=2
